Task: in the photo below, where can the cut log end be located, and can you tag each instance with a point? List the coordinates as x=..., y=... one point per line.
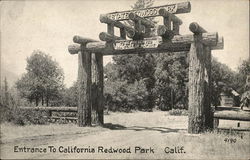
x=164, y=32
x=131, y=33
x=196, y=28
x=183, y=7
x=74, y=48
x=162, y=12
x=210, y=39
x=103, y=18
x=132, y=16
x=220, y=44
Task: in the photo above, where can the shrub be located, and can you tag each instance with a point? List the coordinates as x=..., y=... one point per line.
x=178, y=112
x=24, y=117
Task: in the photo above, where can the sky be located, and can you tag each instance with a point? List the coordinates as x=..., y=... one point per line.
x=50, y=26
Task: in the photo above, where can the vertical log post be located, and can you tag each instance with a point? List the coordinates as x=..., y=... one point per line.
x=123, y=33
x=168, y=35
x=215, y=123
x=200, y=111
x=176, y=28
x=84, y=87
x=100, y=86
x=167, y=22
x=139, y=29
x=111, y=31
x=196, y=118
x=207, y=103
x=97, y=89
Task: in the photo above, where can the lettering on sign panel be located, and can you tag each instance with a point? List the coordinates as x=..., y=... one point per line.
x=132, y=44
x=150, y=12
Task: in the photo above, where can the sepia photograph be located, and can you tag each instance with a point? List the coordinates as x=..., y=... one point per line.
x=124, y=79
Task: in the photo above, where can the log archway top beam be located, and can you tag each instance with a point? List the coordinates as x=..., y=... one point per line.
x=177, y=8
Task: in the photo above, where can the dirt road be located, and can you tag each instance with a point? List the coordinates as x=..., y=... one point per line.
x=139, y=135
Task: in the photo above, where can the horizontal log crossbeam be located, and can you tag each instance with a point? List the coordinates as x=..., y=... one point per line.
x=145, y=22
x=150, y=45
x=105, y=19
x=108, y=37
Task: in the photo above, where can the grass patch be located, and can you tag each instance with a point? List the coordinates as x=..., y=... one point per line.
x=10, y=131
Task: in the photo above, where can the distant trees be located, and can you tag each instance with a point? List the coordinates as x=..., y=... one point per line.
x=8, y=102
x=244, y=73
x=43, y=80
x=70, y=96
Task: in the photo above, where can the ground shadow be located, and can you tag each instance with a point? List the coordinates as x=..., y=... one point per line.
x=141, y=128
x=114, y=126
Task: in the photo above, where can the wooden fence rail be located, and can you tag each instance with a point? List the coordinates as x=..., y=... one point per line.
x=58, y=109
x=230, y=113
x=54, y=118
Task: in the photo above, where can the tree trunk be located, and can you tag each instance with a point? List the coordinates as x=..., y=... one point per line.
x=47, y=101
x=36, y=101
x=84, y=88
x=196, y=119
x=97, y=88
x=42, y=99
x=172, y=98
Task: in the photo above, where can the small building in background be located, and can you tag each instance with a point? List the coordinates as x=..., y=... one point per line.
x=229, y=98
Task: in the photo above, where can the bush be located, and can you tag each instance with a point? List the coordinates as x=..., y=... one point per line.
x=25, y=117
x=178, y=112
x=123, y=96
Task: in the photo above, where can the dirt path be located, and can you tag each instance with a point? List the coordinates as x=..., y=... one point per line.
x=155, y=132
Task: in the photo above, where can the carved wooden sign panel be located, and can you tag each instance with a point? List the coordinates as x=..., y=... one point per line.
x=148, y=12
x=133, y=44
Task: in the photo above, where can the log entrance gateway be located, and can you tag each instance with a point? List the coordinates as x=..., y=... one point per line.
x=142, y=40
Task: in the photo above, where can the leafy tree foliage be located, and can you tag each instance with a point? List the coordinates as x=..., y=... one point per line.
x=171, y=80
x=70, y=96
x=244, y=73
x=222, y=79
x=43, y=80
